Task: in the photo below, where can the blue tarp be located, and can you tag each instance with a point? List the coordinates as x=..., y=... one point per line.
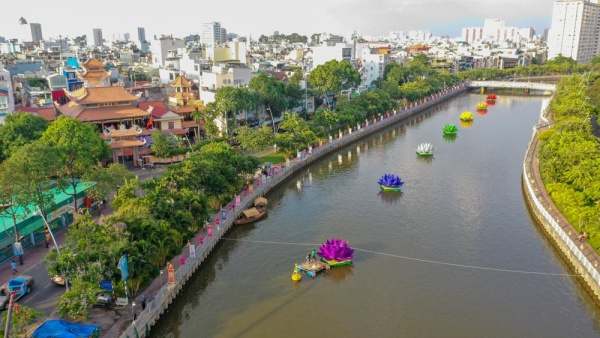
x=61, y=328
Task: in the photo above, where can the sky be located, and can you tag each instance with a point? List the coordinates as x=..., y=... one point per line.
x=340, y=17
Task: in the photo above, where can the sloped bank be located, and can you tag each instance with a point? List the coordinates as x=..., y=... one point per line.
x=169, y=291
x=562, y=234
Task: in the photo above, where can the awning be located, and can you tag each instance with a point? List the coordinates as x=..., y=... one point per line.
x=260, y=202
x=251, y=213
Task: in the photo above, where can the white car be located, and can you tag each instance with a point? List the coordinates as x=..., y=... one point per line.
x=58, y=280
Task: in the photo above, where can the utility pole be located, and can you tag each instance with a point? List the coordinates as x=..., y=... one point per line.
x=7, y=328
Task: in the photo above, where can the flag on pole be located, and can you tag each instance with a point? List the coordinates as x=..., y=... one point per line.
x=150, y=122
x=124, y=267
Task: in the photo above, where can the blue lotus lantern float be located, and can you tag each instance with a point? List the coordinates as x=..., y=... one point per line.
x=390, y=182
x=336, y=252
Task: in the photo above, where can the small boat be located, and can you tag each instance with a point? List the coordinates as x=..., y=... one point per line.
x=249, y=216
x=260, y=203
x=425, y=149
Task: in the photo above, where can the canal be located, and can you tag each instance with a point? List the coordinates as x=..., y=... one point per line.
x=455, y=254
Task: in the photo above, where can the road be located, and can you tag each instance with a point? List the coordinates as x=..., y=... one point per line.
x=45, y=295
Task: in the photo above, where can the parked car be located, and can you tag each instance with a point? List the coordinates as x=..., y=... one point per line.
x=58, y=280
x=20, y=285
x=105, y=299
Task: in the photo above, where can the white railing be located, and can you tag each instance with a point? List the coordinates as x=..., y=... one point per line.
x=511, y=84
x=574, y=249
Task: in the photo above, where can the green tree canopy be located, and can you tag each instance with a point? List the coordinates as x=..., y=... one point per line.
x=79, y=148
x=18, y=129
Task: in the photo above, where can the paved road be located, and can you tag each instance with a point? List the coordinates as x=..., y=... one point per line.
x=44, y=295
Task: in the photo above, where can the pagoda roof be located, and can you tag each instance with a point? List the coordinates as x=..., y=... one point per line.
x=126, y=143
x=100, y=114
x=92, y=62
x=87, y=95
x=181, y=81
x=93, y=75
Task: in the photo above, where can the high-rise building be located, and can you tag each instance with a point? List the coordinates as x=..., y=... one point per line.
x=141, y=34
x=36, y=32
x=575, y=30
x=142, y=39
x=223, y=35
x=98, y=40
x=211, y=33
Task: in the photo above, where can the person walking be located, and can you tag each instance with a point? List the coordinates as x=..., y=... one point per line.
x=143, y=299
x=13, y=265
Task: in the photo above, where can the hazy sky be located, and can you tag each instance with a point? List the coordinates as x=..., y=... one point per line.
x=182, y=17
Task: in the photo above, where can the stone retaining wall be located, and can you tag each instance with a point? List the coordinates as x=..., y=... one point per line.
x=562, y=234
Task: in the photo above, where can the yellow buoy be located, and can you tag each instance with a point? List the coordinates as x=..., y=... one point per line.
x=296, y=276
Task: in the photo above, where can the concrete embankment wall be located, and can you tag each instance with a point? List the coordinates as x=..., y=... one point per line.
x=169, y=291
x=561, y=233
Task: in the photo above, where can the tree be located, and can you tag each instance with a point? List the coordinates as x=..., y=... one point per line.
x=160, y=144
x=79, y=148
x=270, y=93
x=254, y=139
x=21, y=317
x=18, y=129
x=31, y=168
x=333, y=76
x=107, y=180
x=77, y=301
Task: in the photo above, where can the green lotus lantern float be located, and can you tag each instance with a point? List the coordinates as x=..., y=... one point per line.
x=450, y=129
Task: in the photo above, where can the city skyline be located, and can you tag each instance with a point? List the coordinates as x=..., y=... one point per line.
x=335, y=16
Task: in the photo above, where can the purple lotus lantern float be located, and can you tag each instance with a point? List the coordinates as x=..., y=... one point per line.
x=336, y=252
x=390, y=182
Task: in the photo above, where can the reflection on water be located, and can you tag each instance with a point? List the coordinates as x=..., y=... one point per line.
x=450, y=137
x=466, y=124
x=339, y=273
x=390, y=197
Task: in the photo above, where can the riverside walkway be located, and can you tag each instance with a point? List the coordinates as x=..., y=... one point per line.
x=564, y=236
x=203, y=243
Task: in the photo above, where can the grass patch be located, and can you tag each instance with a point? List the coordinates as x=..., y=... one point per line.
x=274, y=158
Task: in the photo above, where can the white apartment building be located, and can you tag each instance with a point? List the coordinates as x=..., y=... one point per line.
x=495, y=31
x=160, y=49
x=372, y=63
x=575, y=30
x=211, y=33
x=7, y=100
x=222, y=76
x=339, y=52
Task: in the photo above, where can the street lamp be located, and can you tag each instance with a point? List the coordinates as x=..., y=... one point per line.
x=39, y=213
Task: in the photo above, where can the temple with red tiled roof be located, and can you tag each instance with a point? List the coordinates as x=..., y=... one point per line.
x=94, y=73
x=183, y=100
x=104, y=106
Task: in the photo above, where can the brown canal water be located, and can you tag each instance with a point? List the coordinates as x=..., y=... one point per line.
x=456, y=254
